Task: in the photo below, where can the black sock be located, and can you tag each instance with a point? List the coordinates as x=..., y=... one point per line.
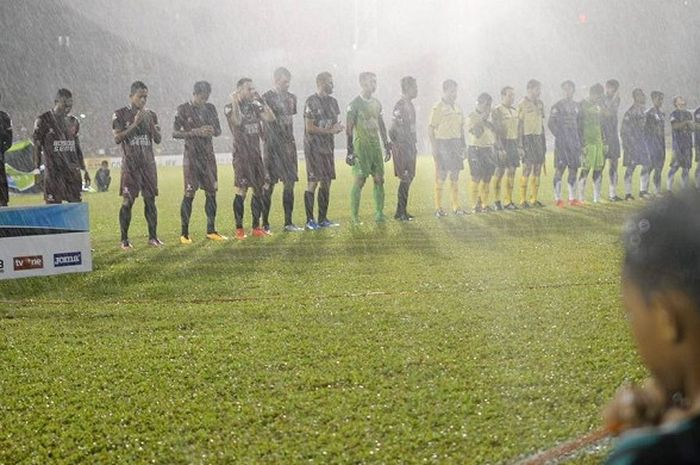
x=125, y=220
x=324, y=194
x=151, y=213
x=256, y=209
x=309, y=205
x=402, y=197
x=210, y=210
x=266, y=204
x=238, y=208
x=288, y=204
x=185, y=214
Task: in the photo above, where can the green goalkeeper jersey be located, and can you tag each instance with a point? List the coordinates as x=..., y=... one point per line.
x=592, y=130
x=365, y=114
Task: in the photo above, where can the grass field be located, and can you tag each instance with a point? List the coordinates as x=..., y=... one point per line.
x=463, y=340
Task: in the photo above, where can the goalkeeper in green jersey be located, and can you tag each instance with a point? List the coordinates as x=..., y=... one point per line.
x=366, y=134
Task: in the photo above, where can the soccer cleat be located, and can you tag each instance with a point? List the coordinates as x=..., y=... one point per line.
x=440, y=213
x=487, y=209
x=409, y=217
x=629, y=197
x=511, y=206
x=292, y=228
x=524, y=205
x=498, y=205
x=328, y=224
x=645, y=195
x=215, y=236
x=560, y=203
x=477, y=208
x=126, y=245
x=459, y=212
x=259, y=232
x=615, y=199
x=380, y=219
x=266, y=229
x=311, y=225
x=185, y=240
x=538, y=204
x=576, y=203
x=155, y=242
x=240, y=234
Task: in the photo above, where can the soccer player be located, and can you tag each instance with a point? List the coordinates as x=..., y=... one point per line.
x=593, y=143
x=505, y=121
x=634, y=144
x=280, y=154
x=245, y=115
x=609, y=120
x=660, y=420
x=696, y=117
x=365, y=127
x=57, y=148
x=197, y=122
x=403, y=144
x=321, y=113
x=682, y=126
x=5, y=144
x=136, y=129
x=565, y=121
x=481, y=136
x=532, y=143
x=103, y=178
x=446, y=130
x=656, y=140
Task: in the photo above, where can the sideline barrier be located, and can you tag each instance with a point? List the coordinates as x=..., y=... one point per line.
x=44, y=240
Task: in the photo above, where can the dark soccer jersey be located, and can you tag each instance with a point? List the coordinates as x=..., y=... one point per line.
x=565, y=122
x=403, y=123
x=609, y=117
x=675, y=445
x=138, y=144
x=57, y=136
x=682, y=138
x=246, y=135
x=633, y=132
x=655, y=130
x=284, y=106
x=5, y=132
x=189, y=117
x=323, y=111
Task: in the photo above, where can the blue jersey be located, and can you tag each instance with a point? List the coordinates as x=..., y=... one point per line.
x=682, y=138
x=565, y=124
x=655, y=132
x=634, y=140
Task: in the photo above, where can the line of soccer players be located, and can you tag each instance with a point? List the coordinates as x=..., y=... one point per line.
x=494, y=141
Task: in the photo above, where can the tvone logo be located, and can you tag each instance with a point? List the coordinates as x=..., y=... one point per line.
x=67, y=259
x=33, y=262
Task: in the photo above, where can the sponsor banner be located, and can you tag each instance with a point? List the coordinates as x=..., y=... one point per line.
x=44, y=240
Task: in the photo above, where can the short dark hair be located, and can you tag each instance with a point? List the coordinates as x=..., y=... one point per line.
x=569, y=83
x=282, y=72
x=202, y=88
x=484, y=99
x=241, y=82
x=366, y=75
x=662, y=246
x=324, y=76
x=63, y=93
x=657, y=94
x=137, y=86
x=597, y=89
x=505, y=90
x=104, y=162
x=676, y=98
x=636, y=92
x=407, y=82
x=532, y=83
x=614, y=83
x=449, y=84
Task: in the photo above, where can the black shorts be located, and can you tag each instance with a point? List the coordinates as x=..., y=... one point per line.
x=613, y=152
x=682, y=159
x=281, y=162
x=248, y=170
x=509, y=156
x=482, y=163
x=320, y=166
x=4, y=190
x=449, y=155
x=535, y=149
x=65, y=185
x=567, y=158
x=200, y=172
x=139, y=175
x=404, y=156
